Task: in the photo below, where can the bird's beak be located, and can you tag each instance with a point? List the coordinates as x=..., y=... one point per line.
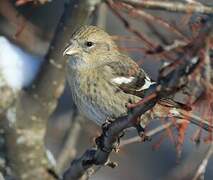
x=71, y=50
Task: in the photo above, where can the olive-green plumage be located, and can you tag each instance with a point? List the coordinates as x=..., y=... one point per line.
x=100, y=77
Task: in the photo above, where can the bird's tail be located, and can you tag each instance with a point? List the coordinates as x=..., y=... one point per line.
x=162, y=111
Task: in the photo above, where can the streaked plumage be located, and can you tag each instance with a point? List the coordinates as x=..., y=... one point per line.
x=102, y=80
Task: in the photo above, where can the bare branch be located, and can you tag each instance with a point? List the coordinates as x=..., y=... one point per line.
x=202, y=167
x=34, y=106
x=136, y=13
x=138, y=34
x=150, y=133
x=170, y=6
x=20, y=30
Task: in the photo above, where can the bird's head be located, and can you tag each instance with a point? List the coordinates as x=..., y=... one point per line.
x=89, y=46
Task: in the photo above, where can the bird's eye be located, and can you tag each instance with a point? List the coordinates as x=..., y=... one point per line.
x=89, y=44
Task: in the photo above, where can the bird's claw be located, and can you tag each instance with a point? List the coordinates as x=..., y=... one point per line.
x=106, y=124
x=141, y=133
x=144, y=137
x=116, y=145
x=111, y=164
x=100, y=140
x=100, y=143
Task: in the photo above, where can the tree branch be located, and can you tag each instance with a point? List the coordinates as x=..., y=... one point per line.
x=150, y=133
x=27, y=119
x=17, y=28
x=202, y=167
x=170, y=6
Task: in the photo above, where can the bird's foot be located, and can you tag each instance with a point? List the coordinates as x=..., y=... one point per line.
x=111, y=164
x=141, y=133
x=117, y=143
x=129, y=106
x=100, y=141
x=144, y=137
x=101, y=144
x=106, y=124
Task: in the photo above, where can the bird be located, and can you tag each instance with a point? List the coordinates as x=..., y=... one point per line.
x=103, y=80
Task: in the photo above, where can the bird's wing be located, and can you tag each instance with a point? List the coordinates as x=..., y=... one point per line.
x=128, y=76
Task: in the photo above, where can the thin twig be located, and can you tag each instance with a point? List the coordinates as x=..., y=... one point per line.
x=21, y=30
x=150, y=133
x=170, y=6
x=194, y=119
x=202, y=167
x=149, y=45
x=126, y=23
x=140, y=13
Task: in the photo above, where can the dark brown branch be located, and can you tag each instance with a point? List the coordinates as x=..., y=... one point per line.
x=106, y=143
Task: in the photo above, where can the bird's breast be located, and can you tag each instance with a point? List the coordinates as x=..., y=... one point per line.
x=96, y=97
x=84, y=93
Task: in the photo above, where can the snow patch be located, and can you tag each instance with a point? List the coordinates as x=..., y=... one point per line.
x=18, y=67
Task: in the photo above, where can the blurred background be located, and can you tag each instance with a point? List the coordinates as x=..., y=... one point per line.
x=28, y=31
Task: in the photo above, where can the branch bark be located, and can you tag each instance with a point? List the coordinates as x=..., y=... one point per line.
x=25, y=129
